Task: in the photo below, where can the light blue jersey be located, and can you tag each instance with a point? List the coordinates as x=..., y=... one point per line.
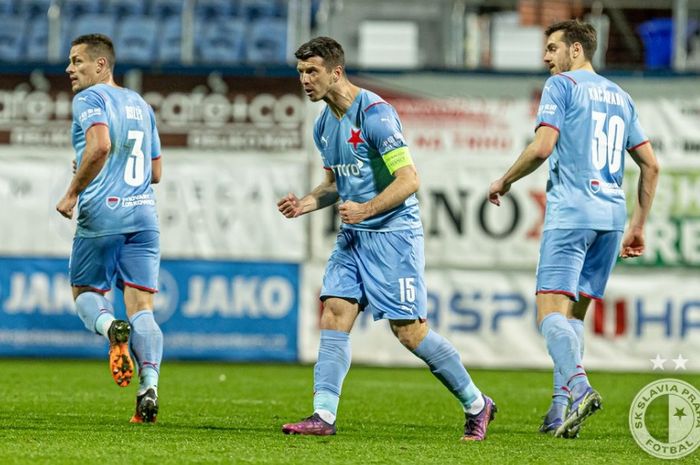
x=120, y=199
x=352, y=148
x=597, y=122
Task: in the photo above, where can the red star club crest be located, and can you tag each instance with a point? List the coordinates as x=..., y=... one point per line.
x=355, y=138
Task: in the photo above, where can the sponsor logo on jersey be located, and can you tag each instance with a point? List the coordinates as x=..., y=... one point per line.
x=112, y=202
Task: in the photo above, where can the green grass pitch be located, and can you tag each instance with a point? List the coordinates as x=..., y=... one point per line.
x=71, y=412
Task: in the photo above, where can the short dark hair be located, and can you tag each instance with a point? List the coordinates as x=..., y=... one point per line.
x=98, y=45
x=323, y=47
x=576, y=31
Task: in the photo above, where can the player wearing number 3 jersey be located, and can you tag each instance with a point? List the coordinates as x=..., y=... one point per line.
x=585, y=124
x=117, y=239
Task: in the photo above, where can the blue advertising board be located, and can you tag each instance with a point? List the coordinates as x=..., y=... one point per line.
x=207, y=310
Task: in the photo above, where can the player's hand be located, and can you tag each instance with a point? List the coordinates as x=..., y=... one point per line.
x=66, y=205
x=632, y=244
x=353, y=212
x=290, y=206
x=496, y=190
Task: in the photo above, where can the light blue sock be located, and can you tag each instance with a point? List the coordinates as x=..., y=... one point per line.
x=561, y=391
x=445, y=363
x=333, y=363
x=95, y=311
x=147, y=346
x=564, y=349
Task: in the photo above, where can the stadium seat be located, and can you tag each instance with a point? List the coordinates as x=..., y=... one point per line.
x=87, y=24
x=37, y=48
x=11, y=38
x=166, y=8
x=254, y=9
x=170, y=40
x=33, y=8
x=76, y=8
x=213, y=9
x=267, y=41
x=7, y=7
x=220, y=42
x=123, y=8
x=135, y=40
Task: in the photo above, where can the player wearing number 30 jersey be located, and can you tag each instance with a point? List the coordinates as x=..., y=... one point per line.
x=585, y=124
x=117, y=238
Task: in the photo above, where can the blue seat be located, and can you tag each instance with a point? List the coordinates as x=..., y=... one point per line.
x=267, y=41
x=11, y=38
x=254, y=9
x=75, y=8
x=170, y=40
x=220, y=42
x=87, y=24
x=37, y=43
x=657, y=36
x=214, y=9
x=124, y=8
x=135, y=40
x=33, y=8
x=166, y=8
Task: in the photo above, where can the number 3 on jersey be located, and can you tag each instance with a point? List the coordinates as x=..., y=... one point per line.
x=135, y=170
x=607, y=142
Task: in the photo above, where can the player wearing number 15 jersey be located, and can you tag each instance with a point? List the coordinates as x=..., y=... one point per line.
x=117, y=239
x=585, y=123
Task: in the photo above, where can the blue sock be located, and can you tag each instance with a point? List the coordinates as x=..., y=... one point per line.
x=147, y=346
x=95, y=311
x=329, y=372
x=561, y=392
x=445, y=363
x=564, y=349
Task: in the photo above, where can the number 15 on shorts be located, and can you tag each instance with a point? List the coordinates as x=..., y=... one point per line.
x=407, y=289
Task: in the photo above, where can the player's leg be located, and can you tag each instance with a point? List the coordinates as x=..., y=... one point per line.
x=92, y=267
x=446, y=364
x=599, y=262
x=139, y=262
x=340, y=293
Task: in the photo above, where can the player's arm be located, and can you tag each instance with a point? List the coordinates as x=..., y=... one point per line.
x=405, y=183
x=97, y=147
x=529, y=160
x=324, y=195
x=156, y=170
x=633, y=240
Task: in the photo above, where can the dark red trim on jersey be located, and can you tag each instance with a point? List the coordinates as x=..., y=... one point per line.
x=556, y=291
x=99, y=123
x=639, y=145
x=568, y=77
x=548, y=125
x=590, y=296
x=327, y=168
x=156, y=158
x=93, y=289
x=375, y=103
x=141, y=288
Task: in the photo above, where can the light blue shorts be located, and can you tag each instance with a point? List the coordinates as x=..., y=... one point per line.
x=577, y=261
x=133, y=259
x=379, y=270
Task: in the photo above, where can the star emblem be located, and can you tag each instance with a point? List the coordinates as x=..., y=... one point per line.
x=680, y=362
x=680, y=413
x=658, y=362
x=355, y=138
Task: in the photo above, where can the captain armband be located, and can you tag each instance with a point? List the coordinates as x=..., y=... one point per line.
x=397, y=158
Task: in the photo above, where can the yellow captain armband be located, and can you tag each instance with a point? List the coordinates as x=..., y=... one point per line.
x=397, y=158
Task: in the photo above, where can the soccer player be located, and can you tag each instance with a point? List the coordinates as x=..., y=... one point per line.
x=584, y=123
x=118, y=158
x=378, y=259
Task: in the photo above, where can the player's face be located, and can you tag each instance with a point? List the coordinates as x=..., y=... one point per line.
x=316, y=80
x=82, y=69
x=557, y=54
